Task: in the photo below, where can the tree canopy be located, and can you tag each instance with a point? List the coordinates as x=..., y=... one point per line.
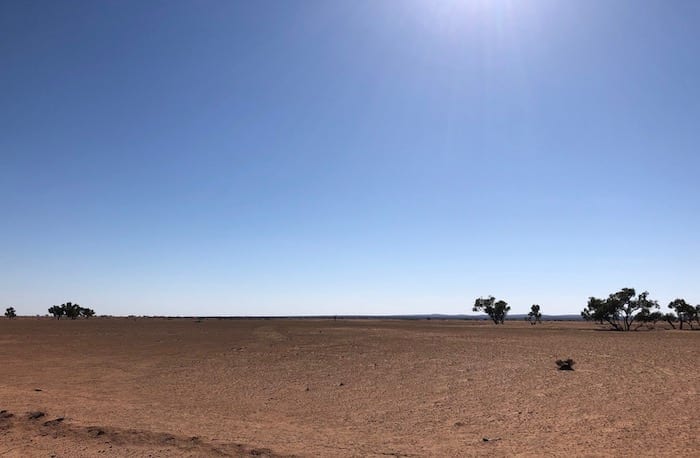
x=70, y=310
x=496, y=310
x=534, y=316
x=620, y=309
x=685, y=312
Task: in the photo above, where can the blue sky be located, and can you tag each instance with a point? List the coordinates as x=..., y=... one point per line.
x=255, y=158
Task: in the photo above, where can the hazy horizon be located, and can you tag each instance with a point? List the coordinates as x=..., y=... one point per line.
x=347, y=158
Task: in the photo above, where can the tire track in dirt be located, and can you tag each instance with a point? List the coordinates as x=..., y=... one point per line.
x=36, y=424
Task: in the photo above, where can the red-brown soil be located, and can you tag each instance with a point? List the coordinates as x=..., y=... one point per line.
x=160, y=387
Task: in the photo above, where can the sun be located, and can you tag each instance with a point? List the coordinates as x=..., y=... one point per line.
x=465, y=9
x=490, y=22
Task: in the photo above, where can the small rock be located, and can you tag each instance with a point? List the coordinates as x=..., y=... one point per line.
x=565, y=364
x=35, y=415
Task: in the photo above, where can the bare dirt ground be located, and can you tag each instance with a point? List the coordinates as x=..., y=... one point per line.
x=160, y=387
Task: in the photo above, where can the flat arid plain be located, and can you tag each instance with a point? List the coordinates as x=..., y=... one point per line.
x=278, y=387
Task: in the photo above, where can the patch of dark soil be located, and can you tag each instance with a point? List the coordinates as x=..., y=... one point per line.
x=127, y=438
x=54, y=422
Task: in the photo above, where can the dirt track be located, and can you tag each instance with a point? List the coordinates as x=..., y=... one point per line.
x=158, y=387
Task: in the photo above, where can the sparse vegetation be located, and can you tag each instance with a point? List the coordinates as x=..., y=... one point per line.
x=10, y=312
x=534, y=316
x=496, y=310
x=620, y=310
x=70, y=310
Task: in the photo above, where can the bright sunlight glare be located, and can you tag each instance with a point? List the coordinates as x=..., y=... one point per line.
x=457, y=19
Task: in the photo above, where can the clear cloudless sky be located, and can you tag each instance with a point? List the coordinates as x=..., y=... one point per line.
x=347, y=157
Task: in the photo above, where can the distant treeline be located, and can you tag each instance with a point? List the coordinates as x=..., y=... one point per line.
x=624, y=310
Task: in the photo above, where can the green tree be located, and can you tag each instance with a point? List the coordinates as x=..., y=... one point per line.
x=10, y=312
x=620, y=309
x=648, y=318
x=685, y=312
x=71, y=310
x=600, y=311
x=497, y=310
x=534, y=316
x=670, y=318
x=57, y=311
